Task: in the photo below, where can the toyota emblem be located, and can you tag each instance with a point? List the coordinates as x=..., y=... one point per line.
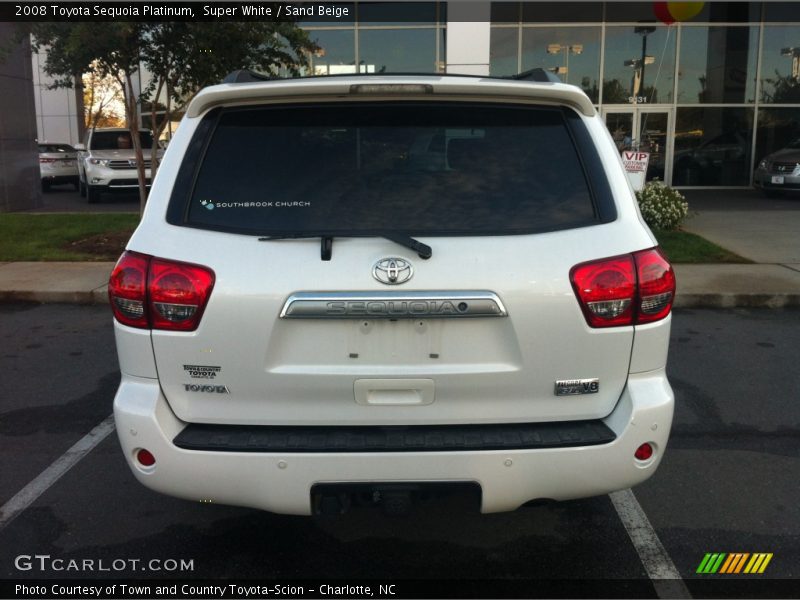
x=392, y=271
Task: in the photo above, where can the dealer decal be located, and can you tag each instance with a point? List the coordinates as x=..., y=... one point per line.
x=201, y=371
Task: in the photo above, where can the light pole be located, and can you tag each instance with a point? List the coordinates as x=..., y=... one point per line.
x=637, y=81
x=794, y=54
x=644, y=31
x=567, y=49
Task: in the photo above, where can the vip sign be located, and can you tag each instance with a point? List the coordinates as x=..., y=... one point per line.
x=635, y=163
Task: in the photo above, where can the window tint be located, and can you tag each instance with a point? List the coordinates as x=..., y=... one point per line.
x=118, y=140
x=445, y=169
x=56, y=148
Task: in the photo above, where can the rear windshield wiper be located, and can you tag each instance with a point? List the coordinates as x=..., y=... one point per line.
x=423, y=250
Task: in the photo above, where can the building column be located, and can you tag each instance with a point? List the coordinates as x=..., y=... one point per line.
x=468, y=29
x=20, y=181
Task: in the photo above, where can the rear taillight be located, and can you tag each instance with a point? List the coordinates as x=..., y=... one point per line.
x=178, y=294
x=656, y=285
x=127, y=290
x=625, y=290
x=149, y=292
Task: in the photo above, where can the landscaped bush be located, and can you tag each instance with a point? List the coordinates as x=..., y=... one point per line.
x=662, y=207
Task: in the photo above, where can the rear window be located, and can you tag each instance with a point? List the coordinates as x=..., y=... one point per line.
x=118, y=140
x=436, y=169
x=56, y=148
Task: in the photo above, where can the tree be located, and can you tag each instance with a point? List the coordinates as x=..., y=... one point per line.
x=180, y=57
x=102, y=101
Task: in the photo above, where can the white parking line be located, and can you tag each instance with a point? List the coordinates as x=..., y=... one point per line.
x=27, y=495
x=660, y=569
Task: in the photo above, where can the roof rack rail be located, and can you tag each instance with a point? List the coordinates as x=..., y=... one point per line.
x=539, y=75
x=246, y=76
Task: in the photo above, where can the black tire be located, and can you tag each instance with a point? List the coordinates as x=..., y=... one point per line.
x=82, y=189
x=45, y=186
x=92, y=194
x=77, y=185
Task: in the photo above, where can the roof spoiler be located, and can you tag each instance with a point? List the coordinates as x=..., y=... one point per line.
x=538, y=75
x=246, y=76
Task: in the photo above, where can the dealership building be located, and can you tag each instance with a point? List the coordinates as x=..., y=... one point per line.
x=708, y=95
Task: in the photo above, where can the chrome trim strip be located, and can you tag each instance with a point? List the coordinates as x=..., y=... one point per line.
x=393, y=305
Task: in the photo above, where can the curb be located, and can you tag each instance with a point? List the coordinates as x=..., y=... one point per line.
x=98, y=296
x=728, y=300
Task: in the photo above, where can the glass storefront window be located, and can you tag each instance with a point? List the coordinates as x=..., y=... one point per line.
x=639, y=64
x=336, y=55
x=717, y=65
x=504, y=51
x=777, y=128
x=397, y=50
x=712, y=146
x=780, y=64
x=573, y=53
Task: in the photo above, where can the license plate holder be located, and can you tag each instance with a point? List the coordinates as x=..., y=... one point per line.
x=777, y=179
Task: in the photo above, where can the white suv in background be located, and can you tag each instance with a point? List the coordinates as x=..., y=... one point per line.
x=312, y=312
x=107, y=162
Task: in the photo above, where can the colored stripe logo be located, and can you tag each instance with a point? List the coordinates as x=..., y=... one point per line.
x=734, y=563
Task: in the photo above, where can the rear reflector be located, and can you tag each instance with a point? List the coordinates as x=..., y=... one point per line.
x=643, y=452
x=148, y=292
x=625, y=290
x=145, y=458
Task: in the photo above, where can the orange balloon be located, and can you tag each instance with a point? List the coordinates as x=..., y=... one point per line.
x=683, y=11
x=671, y=12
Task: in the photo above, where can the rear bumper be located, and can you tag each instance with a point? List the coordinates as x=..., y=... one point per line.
x=763, y=179
x=281, y=481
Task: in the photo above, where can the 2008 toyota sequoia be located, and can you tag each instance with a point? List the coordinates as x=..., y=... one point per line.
x=384, y=283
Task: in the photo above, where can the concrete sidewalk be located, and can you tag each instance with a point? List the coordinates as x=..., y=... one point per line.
x=717, y=286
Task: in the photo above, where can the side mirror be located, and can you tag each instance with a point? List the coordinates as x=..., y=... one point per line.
x=79, y=147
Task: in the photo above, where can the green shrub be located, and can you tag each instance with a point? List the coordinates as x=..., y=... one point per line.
x=662, y=207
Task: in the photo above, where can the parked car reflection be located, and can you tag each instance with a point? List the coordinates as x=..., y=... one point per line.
x=779, y=171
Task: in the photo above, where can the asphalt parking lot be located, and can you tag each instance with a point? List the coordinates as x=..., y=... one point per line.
x=728, y=483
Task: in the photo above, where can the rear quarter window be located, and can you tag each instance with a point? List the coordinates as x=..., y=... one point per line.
x=415, y=168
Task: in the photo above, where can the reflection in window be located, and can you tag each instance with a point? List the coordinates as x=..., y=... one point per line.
x=504, y=51
x=639, y=64
x=336, y=54
x=777, y=128
x=718, y=65
x=397, y=50
x=573, y=53
x=712, y=146
x=780, y=64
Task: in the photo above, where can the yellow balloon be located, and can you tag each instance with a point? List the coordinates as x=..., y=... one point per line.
x=682, y=11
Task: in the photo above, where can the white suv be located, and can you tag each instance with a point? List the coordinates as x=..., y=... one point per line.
x=107, y=162
x=313, y=311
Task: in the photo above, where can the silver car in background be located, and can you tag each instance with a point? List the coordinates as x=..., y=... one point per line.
x=779, y=171
x=58, y=164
